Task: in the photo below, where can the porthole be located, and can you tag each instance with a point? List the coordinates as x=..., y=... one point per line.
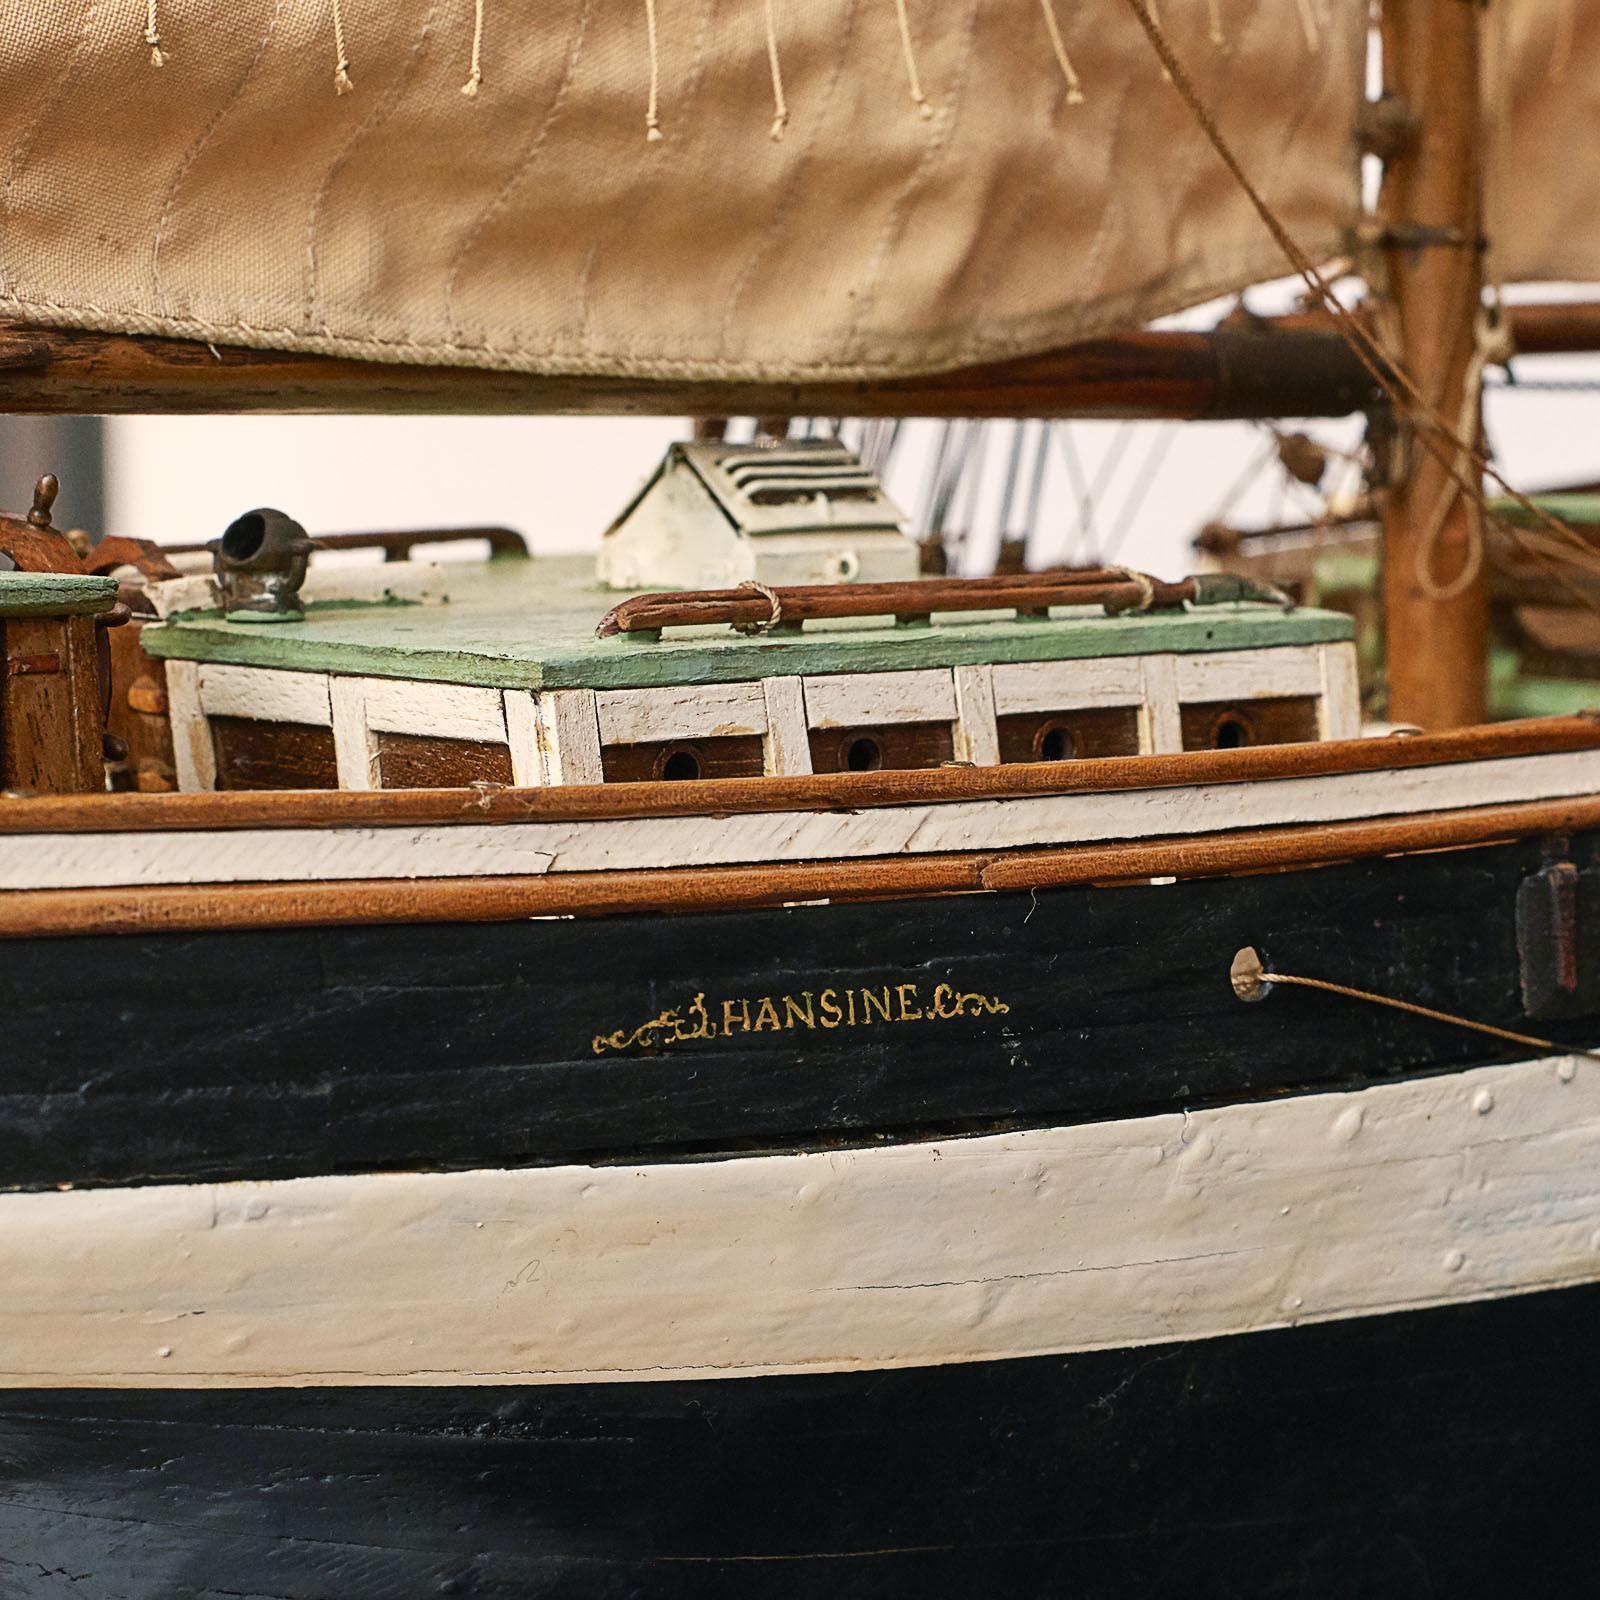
x=679, y=763
x=1230, y=731
x=1055, y=741
x=863, y=754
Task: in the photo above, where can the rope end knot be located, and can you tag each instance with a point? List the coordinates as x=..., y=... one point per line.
x=1248, y=976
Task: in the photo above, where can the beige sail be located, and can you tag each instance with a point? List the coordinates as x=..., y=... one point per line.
x=473, y=182
x=1542, y=107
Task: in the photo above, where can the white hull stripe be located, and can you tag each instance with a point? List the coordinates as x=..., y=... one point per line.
x=1460, y=1187
x=76, y=860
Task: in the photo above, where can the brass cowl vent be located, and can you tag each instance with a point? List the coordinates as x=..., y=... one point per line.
x=260, y=562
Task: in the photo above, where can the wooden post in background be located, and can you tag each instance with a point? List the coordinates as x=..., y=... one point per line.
x=1431, y=205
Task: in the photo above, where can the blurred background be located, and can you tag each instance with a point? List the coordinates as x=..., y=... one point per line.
x=1131, y=493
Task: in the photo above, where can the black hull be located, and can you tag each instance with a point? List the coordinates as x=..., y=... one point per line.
x=159, y=1058
x=1448, y=1452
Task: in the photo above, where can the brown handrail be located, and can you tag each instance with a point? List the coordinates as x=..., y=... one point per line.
x=1027, y=593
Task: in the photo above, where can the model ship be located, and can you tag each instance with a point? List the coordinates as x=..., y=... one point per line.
x=740, y=1067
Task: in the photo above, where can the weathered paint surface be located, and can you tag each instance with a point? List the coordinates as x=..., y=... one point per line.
x=482, y=1045
x=1466, y=1186
x=54, y=594
x=1444, y=1452
x=530, y=625
x=43, y=861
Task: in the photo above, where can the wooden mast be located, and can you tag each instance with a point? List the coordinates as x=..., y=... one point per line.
x=1431, y=205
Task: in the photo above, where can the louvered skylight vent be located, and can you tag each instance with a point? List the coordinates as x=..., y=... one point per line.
x=794, y=511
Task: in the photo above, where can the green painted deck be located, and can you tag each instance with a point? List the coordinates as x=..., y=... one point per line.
x=54, y=594
x=1576, y=510
x=530, y=625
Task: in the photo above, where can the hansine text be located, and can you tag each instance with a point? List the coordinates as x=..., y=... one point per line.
x=808, y=1011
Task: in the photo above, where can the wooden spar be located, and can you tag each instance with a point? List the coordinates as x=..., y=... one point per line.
x=1436, y=610
x=1290, y=366
x=1221, y=374
x=1556, y=329
x=54, y=913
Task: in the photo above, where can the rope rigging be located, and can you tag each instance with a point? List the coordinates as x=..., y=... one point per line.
x=1443, y=441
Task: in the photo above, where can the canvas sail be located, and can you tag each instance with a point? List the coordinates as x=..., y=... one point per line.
x=231, y=194
x=1542, y=113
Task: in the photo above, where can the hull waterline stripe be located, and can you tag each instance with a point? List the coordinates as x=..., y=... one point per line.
x=47, y=861
x=1464, y=1186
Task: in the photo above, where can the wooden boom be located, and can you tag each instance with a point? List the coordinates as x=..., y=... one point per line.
x=1293, y=366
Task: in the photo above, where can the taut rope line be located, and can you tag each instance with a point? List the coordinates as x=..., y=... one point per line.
x=1251, y=981
x=1063, y=60
x=152, y=35
x=652, y=124
x=1393, y=380
x=341, y=71
x=918, y=98
x=475, y=76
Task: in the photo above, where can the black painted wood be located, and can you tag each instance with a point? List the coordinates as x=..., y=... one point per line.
x=1451, y=1452
x=157, y=1057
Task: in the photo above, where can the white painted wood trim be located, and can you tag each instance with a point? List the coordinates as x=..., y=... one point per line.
x=1447, y=1189
x=435, y=710
x=194, y=756
x=569, y=736
x=1161, y=729
x=42, y=861
x=1249, y=674
x=1339, y=712
x=1044, y=686
x=873, y=699
x=192, y=591
x=522, y=737
x=785, y=748
x=683, y=711
x=977, y=737
x=355, y=745
x=265, y=694
x=417, y=581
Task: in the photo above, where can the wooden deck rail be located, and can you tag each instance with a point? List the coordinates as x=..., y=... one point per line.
x=843, y=791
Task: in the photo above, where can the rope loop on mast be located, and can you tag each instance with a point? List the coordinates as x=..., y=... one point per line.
x=1436, y=435
x=1491, y=346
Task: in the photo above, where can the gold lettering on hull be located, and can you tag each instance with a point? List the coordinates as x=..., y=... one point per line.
x=807, y=1012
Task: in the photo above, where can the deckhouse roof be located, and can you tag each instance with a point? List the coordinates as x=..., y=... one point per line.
x=530, y=625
